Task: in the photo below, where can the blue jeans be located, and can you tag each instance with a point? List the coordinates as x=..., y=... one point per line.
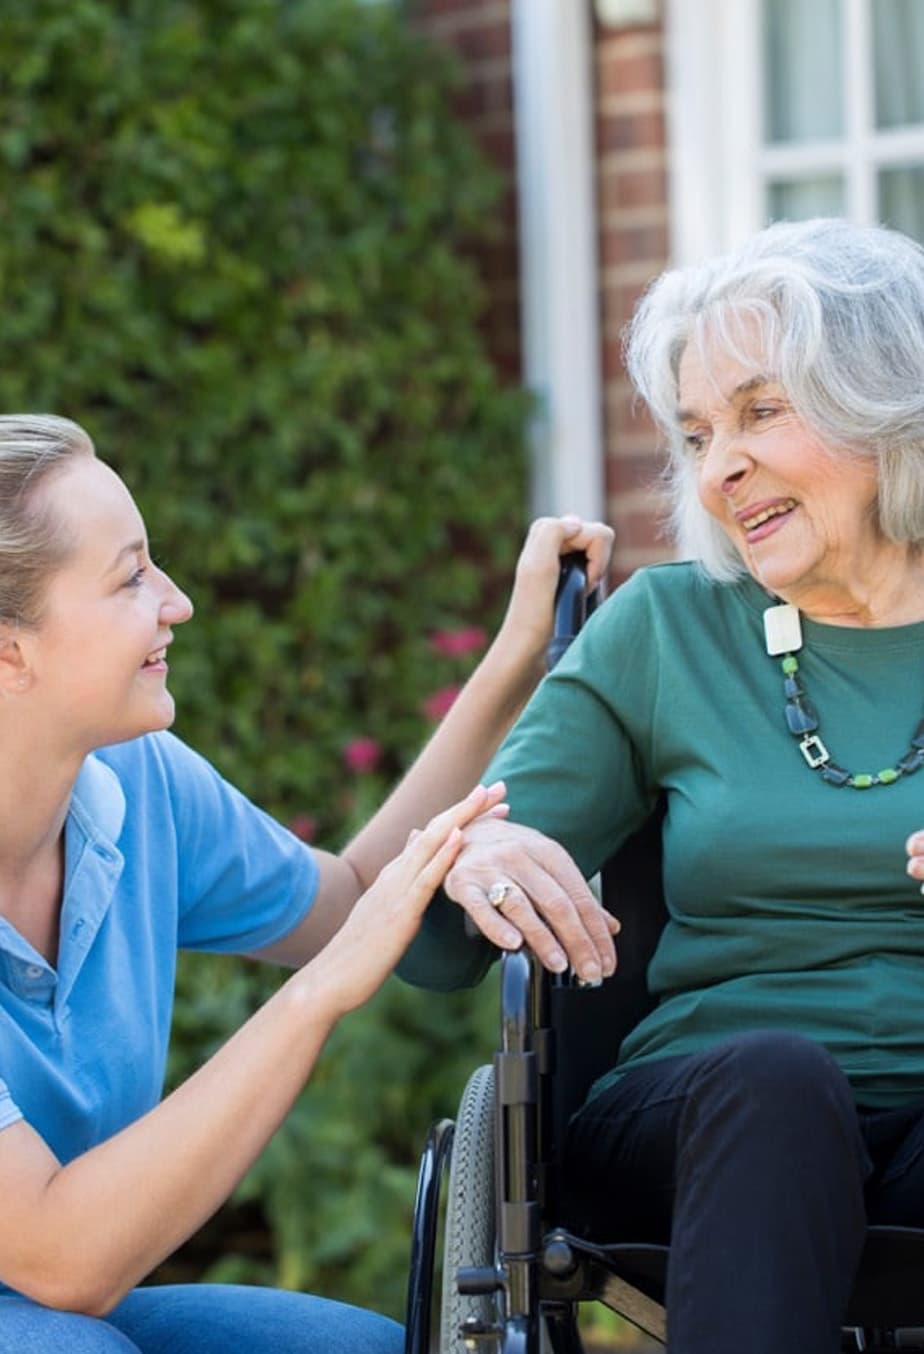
x=753, y=1159
x=200, y=1319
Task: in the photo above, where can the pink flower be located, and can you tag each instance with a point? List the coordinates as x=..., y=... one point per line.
x=456, y=643
x=304, y=826
x=436, y=705
x=362, y=755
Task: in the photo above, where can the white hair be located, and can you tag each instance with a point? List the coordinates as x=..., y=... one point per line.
x=839, y=314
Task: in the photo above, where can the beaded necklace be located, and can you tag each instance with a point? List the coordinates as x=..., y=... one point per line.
x=784, y=636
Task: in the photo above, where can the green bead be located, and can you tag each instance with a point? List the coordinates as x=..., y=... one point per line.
x=887, y=776
x=789, y=665
x=861, y=782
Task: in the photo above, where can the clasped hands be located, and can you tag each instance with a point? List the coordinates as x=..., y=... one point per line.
x=519, y=886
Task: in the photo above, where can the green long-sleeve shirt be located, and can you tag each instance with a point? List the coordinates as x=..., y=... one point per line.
x=789, y=905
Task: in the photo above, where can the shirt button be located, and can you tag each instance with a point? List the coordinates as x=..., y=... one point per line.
x=34, y=971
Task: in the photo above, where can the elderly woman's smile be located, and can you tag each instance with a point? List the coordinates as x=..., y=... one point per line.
x=760, y=519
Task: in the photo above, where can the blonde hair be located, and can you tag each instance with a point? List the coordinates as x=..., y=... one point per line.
x=32, y=543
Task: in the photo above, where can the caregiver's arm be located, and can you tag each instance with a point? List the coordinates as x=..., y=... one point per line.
x=456, y=755
x=79, y=1235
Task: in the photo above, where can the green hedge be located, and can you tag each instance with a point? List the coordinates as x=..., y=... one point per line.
x=236, y=244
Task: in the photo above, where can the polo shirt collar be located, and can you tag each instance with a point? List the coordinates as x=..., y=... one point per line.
x=98, y=802
x=92, y=868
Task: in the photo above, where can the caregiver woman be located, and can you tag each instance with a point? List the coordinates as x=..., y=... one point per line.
x=118, y=846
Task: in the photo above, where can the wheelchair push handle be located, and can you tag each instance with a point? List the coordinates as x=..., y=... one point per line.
x=572, y=605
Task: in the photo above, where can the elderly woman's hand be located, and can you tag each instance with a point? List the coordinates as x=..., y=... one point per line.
x=518, y=885
x=528, y=622
x=915, y=848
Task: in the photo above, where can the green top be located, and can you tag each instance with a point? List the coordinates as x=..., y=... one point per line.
x=789, y=906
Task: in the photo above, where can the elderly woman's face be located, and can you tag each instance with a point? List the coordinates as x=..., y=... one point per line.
x=801, y=519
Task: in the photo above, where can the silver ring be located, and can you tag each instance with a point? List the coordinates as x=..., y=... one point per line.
x=498, y=892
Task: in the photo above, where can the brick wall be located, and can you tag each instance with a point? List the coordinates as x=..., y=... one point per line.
x=633, y=235
x=478, y=31
x=633, y=226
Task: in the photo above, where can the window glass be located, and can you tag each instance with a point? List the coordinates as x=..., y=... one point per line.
x=901, y=199
x=803, y=79
x=797, y=199
x=898, y=61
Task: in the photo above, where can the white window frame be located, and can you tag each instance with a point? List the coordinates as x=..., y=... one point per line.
x=719, y=162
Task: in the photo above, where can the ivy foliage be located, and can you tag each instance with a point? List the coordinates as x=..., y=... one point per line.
x=236, y=244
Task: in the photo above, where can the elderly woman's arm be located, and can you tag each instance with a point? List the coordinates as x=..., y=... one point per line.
x=578, y=773
x=458, y=752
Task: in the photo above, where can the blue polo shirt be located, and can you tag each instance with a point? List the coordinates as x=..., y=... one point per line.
x=160, y=854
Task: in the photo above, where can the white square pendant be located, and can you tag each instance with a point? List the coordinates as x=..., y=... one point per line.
x=782, y=629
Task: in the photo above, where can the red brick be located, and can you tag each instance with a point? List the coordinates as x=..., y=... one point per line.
x=642, y=445
x=620, y=75
x=630, y=474
x=613, y=366
x=635, y=529
x=487, y=93
x=499, y=146
x=628, y=131
x=631, y=188
x=625, y=562
x=444, y=18
x=631, y=421
x=630, y=244
x=483, y=42
x=499, y=261
x=620, y=301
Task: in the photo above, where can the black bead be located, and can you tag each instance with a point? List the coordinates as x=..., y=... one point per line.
x=911, y=762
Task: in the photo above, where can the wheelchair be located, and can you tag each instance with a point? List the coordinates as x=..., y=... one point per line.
x=513, y=1277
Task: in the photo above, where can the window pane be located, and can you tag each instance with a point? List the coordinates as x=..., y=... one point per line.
x=798, y=199
x=898, y=56
x=901, y=199
x=803, y=78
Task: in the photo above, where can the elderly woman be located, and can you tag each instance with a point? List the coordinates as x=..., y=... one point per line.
x=769, y=693
x=118, y=844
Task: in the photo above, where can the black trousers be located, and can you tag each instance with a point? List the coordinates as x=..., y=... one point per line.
x=754, y=1160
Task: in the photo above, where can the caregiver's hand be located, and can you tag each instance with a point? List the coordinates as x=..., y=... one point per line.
x=527, y=626
x=384, y=920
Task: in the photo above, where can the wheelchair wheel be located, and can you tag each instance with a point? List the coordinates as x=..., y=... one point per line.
x=470, y=1222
